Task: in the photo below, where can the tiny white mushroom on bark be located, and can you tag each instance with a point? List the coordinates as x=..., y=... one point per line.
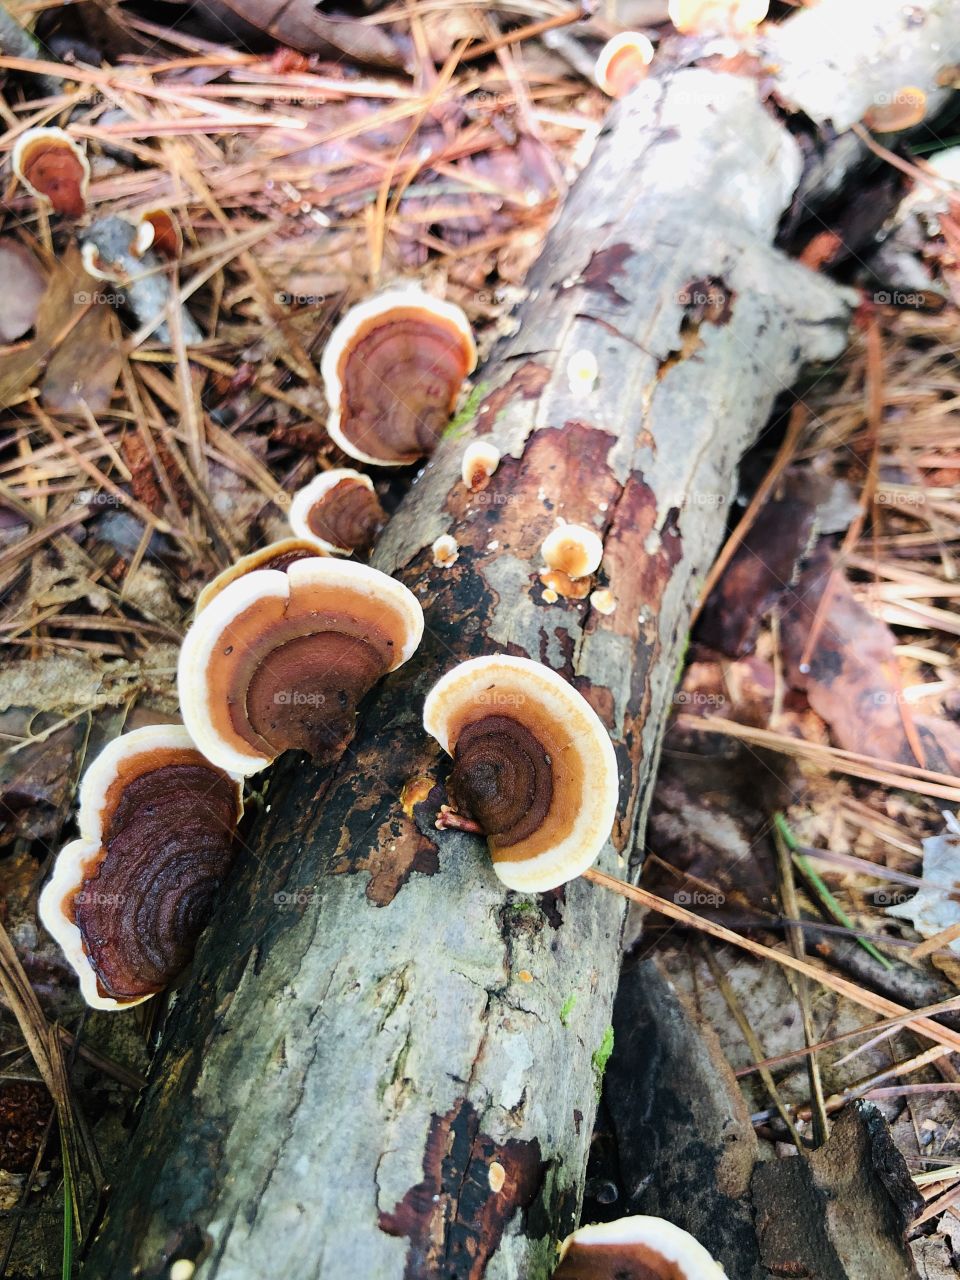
x=573, y=550
x=582, y=372
x=445, y=551
x=480, y=461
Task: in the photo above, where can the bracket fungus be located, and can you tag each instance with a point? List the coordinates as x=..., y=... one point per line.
x=53, y=168
x=128, y=899
x=480, y=461
x=637, y=1248
x=573, y=550
x=275, y=555
x=622, y=63
x=279, y=661
x=159, y=230
x=717, y=17
x=393, y=370
x=534, y=769
x=339, y=510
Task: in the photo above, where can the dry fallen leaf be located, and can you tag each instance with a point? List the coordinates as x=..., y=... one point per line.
x=22, y=285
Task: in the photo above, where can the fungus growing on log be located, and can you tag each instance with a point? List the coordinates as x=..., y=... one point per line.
x=279, y=661
x=393, y=370
x=480, y=461
x=637, y=1248
x=622, y=63
x=717, y=17
x=445, y=551
x=338, y=510
x=895, y=111
x=275, y=555
x=573, y=550
x=159, y=230
x=53, y=168
x=128, y=899
x=534, y=769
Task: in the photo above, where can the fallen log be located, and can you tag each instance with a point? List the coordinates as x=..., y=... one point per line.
x=384, y=1064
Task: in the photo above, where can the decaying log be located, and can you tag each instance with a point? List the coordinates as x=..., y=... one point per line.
x=684, y=1146
x=680, y=1145
x=841, y=1212
x=385, y=1065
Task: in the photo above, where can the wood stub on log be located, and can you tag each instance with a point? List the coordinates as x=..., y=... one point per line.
x=384, y=1065
x=841, y=1212
x=677, y=1142
x=685, y=1148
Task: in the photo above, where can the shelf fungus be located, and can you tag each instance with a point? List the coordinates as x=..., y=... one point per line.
x=622, y=63
x=159, y=230
x=275, y=555
x=393, y=370
x=717, y=17
x=892, y=112
x=339, y=510
x=534, y=769
x=572, y=550
x=445, y=551
x=638, y=1248
x=279, y=661
x=480, y=461
x=128, y=899
x=53, y=168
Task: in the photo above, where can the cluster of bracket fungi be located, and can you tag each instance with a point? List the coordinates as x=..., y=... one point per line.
x=286, y=642
x=284, y=645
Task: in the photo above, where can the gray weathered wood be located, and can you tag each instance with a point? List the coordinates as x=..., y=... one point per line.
x=375, y=1032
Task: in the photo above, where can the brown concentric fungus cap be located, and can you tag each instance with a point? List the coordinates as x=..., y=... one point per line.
x=622, y=63
x=533, y=767
x=638, y=1248
x=128, y=899
x=278, y=661
x=54, y=168
x=338, y=510
x=573, y=550
x=720, y=17
x=393, y=370
x=159, y=230
x=275, y=555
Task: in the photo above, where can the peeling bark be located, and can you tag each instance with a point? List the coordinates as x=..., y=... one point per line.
x=384, y=1064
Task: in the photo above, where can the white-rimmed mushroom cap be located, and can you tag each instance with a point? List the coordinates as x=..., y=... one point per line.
x=124, y=884
x=480, y=461
x=392, y=371
x=717, y=17
x=274, y=555
x=573, y=550
x=533, y=766
x=54, y=168
x=637, y=1246
x=622, y=63
x=338, y=510
x=278, y=661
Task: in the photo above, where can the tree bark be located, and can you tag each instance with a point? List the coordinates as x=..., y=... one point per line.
x=384, y=1065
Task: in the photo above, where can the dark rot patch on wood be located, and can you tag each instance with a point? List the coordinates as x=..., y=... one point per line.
x=472, y=1186
x=527, y=382
x=563, y=473
x=392, y=856
x=707, y=301
x=603, y=267
x=639, y=561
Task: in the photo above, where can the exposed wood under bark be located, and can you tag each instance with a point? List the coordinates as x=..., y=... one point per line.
x=369, y=1074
